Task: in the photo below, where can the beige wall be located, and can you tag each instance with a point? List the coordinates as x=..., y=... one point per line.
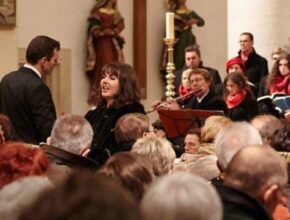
x=65, y=21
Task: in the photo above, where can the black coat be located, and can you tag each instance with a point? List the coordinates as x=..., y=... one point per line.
x=256, y=68
x=27, y=101
x=245, y=111
x=239, y=205
x=103, y=121
x=210, y=102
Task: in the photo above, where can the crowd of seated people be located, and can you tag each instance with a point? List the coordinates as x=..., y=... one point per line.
x=112, y=164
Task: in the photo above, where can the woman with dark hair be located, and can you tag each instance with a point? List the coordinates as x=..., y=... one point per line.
x=241, y=103
x=117, y=95
x=18, y=160
x=129, y=170
x=279, y=78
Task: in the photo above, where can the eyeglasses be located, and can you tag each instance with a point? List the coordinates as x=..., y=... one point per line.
x=196, y=80
x=243, y=41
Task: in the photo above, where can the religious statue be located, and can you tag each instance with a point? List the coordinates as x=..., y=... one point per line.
x=184, y=19
x=104, y=42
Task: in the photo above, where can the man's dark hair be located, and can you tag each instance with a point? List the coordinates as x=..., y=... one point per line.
x=39, y=47
x=193, y=48
x=251, y=36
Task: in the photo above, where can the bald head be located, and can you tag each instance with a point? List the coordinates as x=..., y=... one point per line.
x=254, y=169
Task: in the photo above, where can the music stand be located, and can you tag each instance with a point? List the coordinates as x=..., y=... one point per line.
x=178, y=122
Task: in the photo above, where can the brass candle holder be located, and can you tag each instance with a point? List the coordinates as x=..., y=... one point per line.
x=170, y=69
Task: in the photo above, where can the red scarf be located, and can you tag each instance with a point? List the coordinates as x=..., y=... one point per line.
x=281, y=85
x=183, y=91
x=235, y=100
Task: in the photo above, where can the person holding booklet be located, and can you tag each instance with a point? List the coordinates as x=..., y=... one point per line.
x=241, y=103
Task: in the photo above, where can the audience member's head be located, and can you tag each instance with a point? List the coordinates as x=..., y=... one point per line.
x=159, y=129
x=203, y=166
x=235, y=65
x=281, y=138
x=192, y=141
x=261, y=172
x=267, y=125
x=159, y=151
x=212, y=126
x=131, y=171
x=20, y=194
x=276, y=53
x=17, y=160
x=180, y=195
x=72, y=133
x=5, y=127
x=86, y=197
x=131, y=126
x=192, y=57
x=246, y=42
x=233, y=138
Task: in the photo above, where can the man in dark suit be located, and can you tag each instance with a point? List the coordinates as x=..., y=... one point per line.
x=193, y=61
x=25, y=98
x=256, y=66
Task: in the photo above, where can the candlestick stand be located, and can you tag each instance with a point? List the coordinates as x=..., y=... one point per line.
x=170, y=69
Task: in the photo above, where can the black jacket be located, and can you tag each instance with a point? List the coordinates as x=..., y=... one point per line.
x=239, y=205
x=27, y=101
x=245, y=111
x=210, y=102
x=103, y=121
x=256, y=68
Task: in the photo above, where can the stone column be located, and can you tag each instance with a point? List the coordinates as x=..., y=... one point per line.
x=268, y=20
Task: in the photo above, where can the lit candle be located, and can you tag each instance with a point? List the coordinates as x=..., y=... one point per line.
x=169, y=25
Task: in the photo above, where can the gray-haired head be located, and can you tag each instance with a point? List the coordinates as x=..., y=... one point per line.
x=72, y=133
x=233, y=138
x=158, y=151
x=20, y=194
x=181, y=195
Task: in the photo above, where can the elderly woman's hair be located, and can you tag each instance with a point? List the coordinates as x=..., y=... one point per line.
x=131, y=126
x=181, y=195
x=212, y=126
x=159, y=151
x=130, y=170
x=17, y=160
x=203, y=166
x=275, y=70
x=129, y=90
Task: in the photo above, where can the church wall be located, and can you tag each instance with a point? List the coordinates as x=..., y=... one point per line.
x=65, y=21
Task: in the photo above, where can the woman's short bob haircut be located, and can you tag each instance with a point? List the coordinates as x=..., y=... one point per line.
x=129, y=91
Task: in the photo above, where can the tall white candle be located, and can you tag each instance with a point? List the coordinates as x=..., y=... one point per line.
x=169, y=25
